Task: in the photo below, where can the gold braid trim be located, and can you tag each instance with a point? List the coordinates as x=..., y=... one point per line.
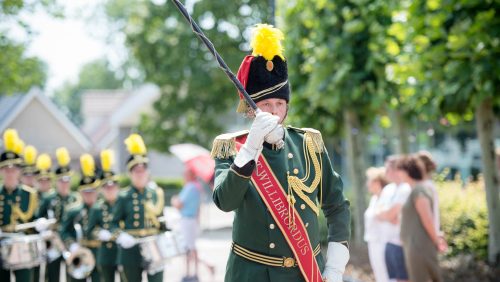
x=313, y=144
x=224, y=145
x=153, y=210
x=17, y=213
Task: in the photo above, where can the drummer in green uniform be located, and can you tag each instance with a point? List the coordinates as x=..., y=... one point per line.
x=100, y=224
x=138, y=207
x=277, y=178
x=17, y=202
x=54, y=203
x=75, y=224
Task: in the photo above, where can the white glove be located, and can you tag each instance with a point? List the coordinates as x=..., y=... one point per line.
x=275, y=136
x=73, y=247
x=104, y=235
x=41, y=224
x=126, y=240
x=262, y=125
x=336, y=260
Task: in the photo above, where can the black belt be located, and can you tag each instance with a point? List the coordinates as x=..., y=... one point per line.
x=266, y=259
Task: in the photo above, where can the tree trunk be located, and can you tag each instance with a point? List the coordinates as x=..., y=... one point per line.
x=402, y=133
x=356, y=171
x=485, y=129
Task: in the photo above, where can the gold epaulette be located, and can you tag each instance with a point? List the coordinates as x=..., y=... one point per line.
x=225, y=145
x=73, y=205
x=32, y=206
x=315, y=137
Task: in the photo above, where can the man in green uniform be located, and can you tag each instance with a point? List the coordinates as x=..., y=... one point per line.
x=75, y=224
x=138, y=207
x=54, y=205
x=17, y=202
x=100, y=224
x=263, y=247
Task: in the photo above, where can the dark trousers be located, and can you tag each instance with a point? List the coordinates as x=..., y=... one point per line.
x=36, y=274
x=94, y=277
x=53, y=270
x=22, y=275
x=107, y=272
x=132, y=273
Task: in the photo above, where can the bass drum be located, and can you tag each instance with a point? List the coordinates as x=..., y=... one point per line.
x=20, y=251
x=157, y=249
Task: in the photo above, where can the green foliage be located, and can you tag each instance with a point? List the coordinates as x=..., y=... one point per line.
x=194, y=91
x=18, y=71
x=464, y=218
x=94, y=75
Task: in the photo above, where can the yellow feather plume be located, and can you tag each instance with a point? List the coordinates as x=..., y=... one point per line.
x=43, y=162
x=135, y=145
x=29, y=155
x=10, y=138
x=266, y=42
x=87, y=165
x=19, y=147
x=62, y=156
x=107, y=160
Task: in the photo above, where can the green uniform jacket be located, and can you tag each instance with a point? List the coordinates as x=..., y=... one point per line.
x=254, y=228
x=106, y=254
x=81, y=214
x=54, y=205
x=23, y=201
x=138, y=212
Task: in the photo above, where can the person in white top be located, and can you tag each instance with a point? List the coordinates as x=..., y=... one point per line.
x=375, y=182
x=393, y=197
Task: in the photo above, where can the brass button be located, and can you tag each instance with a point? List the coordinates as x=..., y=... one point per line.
x=289, y=262
x=136, y=223
x=109, y=245
x=136, y=208
x=271, y=226
x=136, y=216
x=135, y=202
x=272, y=245
x=303, y=206
x=134, y=195
x=295, y=171
x=307, y=224
x=290, y=155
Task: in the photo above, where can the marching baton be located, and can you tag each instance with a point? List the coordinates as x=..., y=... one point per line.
x=196, y=29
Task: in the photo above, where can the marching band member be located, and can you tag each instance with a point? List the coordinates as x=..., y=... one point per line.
x=100, y=224
x=17, y=202
x=138, y=207
x=277, y=179
x=80, y=214
x=54, y=203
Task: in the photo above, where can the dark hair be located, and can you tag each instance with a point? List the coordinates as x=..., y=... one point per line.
x=413, y=166
x=427, y=160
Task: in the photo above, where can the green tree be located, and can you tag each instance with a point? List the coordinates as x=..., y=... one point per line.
x=195, y=93
x=94, y=75
x=455, y=47
x=336, y=64
x=18, y=71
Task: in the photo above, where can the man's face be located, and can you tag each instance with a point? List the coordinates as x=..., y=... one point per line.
x=275, y=106
x=11, y=176
x=44, y=184
x=63, y=186
x=110, y=191
x=89, y=196
x=28, y=179
x=139, y=176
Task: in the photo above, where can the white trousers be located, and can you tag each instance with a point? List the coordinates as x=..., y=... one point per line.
x=376, y=252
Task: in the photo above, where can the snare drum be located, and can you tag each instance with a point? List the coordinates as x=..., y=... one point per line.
x=22, y=251
x=157, y=249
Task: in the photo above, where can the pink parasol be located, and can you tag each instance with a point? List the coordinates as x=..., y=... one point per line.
x=196, y=158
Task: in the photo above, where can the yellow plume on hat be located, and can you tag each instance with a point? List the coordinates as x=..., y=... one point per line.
x=62, y=156
x=29, y=155
x=107, y=159
x=10, y=138
x=266, y=42
x=19, y=148
x=87, y=165
x=43, y=162
x=135, y=145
